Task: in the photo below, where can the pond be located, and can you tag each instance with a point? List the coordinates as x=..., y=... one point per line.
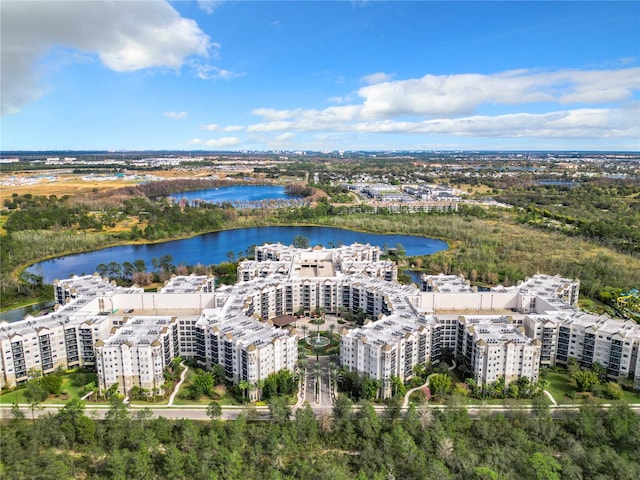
x=21, y=312
x=236, y=195
x=216, y=247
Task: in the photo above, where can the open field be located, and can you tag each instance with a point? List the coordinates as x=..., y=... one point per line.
x=62, y=185
x=59, y=184
x=561, y=385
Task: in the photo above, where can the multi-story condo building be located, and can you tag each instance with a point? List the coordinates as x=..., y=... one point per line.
x=137, y=354
x=130, y=336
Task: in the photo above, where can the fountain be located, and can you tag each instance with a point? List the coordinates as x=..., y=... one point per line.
x=318, y=342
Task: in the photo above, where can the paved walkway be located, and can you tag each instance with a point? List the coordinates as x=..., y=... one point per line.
x=405, y=403
x=550, y=397
x=178, y=385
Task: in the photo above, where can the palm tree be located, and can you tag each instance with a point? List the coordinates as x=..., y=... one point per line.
x=305, y=329
x=244, y=386
x=332, y=328
x=317, y=372
x=302, y=363
x=334, y=371
x=260, y=385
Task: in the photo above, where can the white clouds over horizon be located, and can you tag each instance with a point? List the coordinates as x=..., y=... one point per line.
x=111, y=73
x=216, y=142
x=123, y=34
x=449, y=104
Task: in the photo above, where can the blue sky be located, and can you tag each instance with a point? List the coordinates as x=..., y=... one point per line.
x=361, y=75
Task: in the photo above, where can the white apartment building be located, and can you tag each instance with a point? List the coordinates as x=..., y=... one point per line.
x=137, y=354
x=495, y=347
x=502, y=332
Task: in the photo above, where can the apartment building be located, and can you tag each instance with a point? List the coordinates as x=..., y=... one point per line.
x=494, y=347
x=502, y=332
x=137, y=354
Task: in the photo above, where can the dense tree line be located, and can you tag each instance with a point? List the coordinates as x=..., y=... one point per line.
x=28, y=212
x=299, y=190
x=605, y=211
x=350, y=444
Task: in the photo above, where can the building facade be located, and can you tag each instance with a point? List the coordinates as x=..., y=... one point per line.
x=130, y=336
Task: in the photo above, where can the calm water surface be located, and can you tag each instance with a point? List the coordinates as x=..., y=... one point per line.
x=236, y=194
x=212, y=248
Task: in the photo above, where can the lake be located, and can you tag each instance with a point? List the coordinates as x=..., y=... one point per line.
x=212, y=248
x=237, y=194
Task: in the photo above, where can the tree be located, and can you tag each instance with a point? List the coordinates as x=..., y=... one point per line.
x=332, y=329
x=613, y=391
x=102, y=269
x=440, y=383
x=173, y=463
x=114, y=269
x=371, y=388
x=317, y=374
x=367, y=423
x=231, y=257
x=306, y=424
x=545, y=466
x=585, y=380
x=419, y=371
x=279, y=409
x=52, y=383
x=397, y=386
x=127, y=269
x=140, y=266
x=600, y=370
x=203, y=384
x=214, y=410
x=572, y=365
x=300, y=241
x=243, y=386
x=165, y=263
x=35, y=394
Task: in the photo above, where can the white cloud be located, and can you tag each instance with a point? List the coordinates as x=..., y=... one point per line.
x=205, y=71
x=446, y=105
x=223, y=142
x=125, y=35
x=216, y=142
x=233, y=128
x=451, y=95
x=214, y=127
x=176, y=115
x=209, y=6
x=379, y=77
x=579, y=123
x=285, y=136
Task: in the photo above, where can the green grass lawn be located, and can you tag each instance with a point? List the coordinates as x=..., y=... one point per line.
x=72, y=387
x=560, y=385
x=224, y=396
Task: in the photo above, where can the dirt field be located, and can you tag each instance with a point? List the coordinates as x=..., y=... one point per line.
x=73, y=184
x=64, y=185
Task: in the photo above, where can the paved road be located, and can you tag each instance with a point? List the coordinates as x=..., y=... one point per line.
x=262, y=413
